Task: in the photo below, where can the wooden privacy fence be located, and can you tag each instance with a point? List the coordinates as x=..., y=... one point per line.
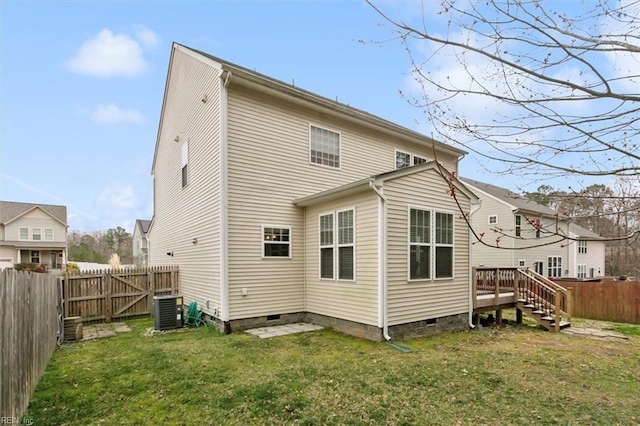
x=617, y=301
x=28, y=311
x=116, y=294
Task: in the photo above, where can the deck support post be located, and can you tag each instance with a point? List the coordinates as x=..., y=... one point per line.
x=499, y=316
x=518, y=316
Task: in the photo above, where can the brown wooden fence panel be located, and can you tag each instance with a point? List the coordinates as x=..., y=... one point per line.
x=28, y=310
x=617, y=301
x=116, y=294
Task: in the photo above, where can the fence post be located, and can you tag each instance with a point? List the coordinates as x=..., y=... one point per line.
x=151, y=288
x=106, y=277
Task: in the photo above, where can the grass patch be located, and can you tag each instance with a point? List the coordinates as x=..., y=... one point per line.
x=509, y=375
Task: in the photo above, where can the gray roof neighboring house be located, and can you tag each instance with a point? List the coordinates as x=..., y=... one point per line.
x=584, y=233
x=519, y=202
x=144, y=225
x=11, y=210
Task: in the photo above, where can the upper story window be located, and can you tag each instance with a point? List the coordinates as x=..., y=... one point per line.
x=48, y=234
x=276, y=241
x=406, y=159
x=521, y=263
x=36, y=234
x=493, y=219
x=538, y=225
x=518, y=225
x=324, y=147
x=185, y=161
x=582, y=247
x=24, y=233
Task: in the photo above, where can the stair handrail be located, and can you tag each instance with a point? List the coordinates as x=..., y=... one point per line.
x=557, y=292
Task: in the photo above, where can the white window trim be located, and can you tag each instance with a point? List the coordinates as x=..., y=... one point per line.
x=555, y=268
x=53, y=237
x=411, y=155
x=338, y=245
x=323, y=127
x=290, y=242
x=522, y=263
x=20, y=234
x=31, y=256
x=452, y=245
x=582, y=245
x=320, y=246
x=584, y=270
x=492, y=216
x=432, y=244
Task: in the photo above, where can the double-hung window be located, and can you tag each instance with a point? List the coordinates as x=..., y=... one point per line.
x=326, y=246
x=407, y=159
x=346, y=255
x=537, y=224
x=518, y=225
x=419, y=244
x=35, y=256
x=582, y=271
x=24, y=233
x=276, y=241
x=430, y=244
x=337, y=245
x=48, y=234
x=444, y=245
x=554, y=266
x=582, y=248
x=324, y=147
x=36, y=234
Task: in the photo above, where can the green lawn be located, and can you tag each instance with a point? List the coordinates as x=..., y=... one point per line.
x=510, y=375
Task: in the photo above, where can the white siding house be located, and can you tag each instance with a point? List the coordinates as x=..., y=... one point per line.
x=513, y=231
x=270, y=199
x=141, y=242
x=33, y=233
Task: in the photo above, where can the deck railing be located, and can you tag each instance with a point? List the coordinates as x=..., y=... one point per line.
x=547, y=296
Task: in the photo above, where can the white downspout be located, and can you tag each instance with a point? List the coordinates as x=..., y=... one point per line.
x=382, y=259
x=224, y=206
x=474, y=208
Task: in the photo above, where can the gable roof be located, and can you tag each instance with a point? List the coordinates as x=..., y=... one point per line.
x=583, y=233
x=144, y=225
x=506, y=196
x=364, y=184
x=235, y=73
x=11, y=210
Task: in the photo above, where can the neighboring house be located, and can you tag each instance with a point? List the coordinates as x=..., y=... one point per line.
x=528, y=234
x=33, y=233
x=280, y=205
x=141, y=242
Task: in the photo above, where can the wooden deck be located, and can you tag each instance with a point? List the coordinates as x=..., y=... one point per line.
x=543, y=300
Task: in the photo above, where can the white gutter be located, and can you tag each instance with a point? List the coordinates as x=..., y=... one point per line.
x=474, y=208
x=224, y=207
x=382, y=259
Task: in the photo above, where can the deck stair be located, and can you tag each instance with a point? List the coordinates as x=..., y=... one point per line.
x=540, y=298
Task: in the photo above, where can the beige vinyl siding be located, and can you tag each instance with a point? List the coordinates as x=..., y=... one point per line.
x=420, y=300
x=182, y=214
x=268, y=149
x=491, y=256
x=37, y=218
x=355, y=301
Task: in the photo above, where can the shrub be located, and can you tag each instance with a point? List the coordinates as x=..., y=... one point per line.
x=30, y=267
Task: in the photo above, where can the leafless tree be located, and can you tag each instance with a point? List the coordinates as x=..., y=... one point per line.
x=544, y=88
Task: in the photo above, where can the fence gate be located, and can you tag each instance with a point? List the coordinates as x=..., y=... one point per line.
x=108, y=295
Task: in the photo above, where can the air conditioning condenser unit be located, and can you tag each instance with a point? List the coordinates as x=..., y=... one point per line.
x=168, y=312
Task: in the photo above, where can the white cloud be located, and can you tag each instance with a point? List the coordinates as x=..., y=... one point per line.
x=118, y=197
x=113, y=114
x=109, y=54
x=147, y=37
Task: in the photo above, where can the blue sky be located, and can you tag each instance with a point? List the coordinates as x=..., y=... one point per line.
x=82, y=85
